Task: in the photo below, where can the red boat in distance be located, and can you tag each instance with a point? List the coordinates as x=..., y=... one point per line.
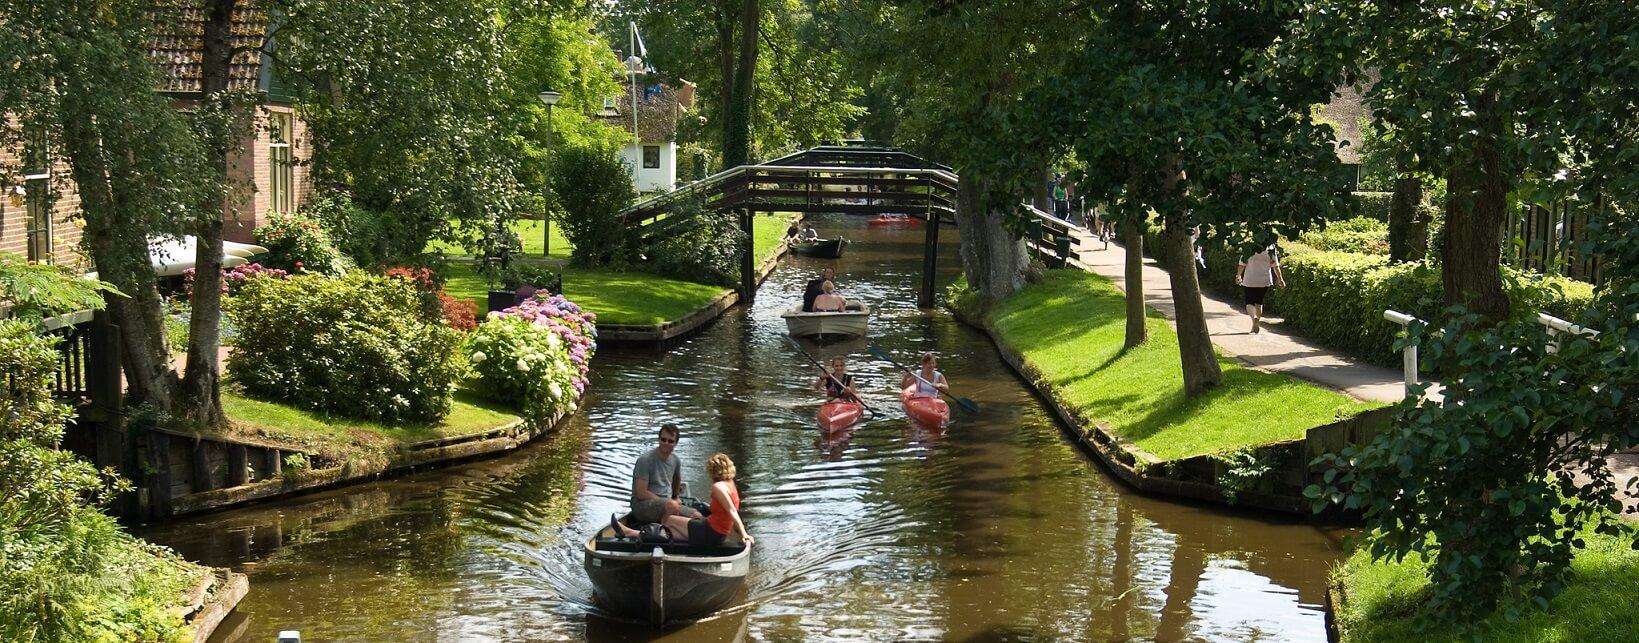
x=894, y=220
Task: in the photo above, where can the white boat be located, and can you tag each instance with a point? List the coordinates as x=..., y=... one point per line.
x=849, y=323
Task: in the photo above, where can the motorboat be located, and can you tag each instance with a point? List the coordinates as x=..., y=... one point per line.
x=848, y=323
x=664, y=582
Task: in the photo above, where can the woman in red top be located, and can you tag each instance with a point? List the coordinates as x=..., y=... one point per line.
x=712, y=530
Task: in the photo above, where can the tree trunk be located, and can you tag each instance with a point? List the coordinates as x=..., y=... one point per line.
x=1405, y=242
x=1200, y=363
x=1132, y=241
x=725, y=17
x=737, y=130
x=201, y=385
x=1476, y=203
x=994, y=261
x=119, y=250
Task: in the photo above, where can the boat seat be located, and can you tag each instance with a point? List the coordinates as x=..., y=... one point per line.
x=672, y=549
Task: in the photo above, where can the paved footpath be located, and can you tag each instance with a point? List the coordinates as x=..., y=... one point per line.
x=1274, y=349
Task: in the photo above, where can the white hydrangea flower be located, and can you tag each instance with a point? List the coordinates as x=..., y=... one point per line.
x=523, y=364
x=552, y=340
x=478, y=356
x=557, y=391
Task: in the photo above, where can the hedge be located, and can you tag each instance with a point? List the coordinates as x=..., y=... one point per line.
x=1373, y=205
x=1338, y=298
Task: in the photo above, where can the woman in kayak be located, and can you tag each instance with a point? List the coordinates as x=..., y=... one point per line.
x=839, y=373
x=830, y=302
x=724, y=518
x=928, y=380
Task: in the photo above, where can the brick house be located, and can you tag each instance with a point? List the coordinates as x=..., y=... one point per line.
x=267, y=171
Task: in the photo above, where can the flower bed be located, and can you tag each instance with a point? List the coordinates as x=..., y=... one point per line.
x=536, y=355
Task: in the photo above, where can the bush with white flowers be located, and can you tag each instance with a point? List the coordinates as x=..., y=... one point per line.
x=533, y=356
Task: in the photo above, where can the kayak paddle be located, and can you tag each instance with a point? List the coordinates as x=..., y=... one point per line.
x=966, y=404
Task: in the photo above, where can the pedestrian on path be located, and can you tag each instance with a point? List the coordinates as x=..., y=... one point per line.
x=1256, y=274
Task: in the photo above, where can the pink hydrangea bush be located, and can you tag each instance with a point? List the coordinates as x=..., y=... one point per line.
x=235, y=277
x=535, y=355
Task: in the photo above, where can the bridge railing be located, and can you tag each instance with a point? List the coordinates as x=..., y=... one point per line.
x=1052, y=240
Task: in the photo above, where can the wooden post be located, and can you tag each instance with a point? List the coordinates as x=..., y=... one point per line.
x=930, y=250
x=238, y=465
x=201, y=466
x=272, y=464
x=159, y=481
x=748, y=259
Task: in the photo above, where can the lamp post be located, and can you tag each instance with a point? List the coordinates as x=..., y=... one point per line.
x=548, y=98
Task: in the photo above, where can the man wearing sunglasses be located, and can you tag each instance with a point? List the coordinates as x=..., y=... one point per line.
x=657, y=481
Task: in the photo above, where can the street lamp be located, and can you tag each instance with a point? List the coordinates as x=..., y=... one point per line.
x=548, y=98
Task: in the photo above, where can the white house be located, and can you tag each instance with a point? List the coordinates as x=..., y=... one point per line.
x=652, y=160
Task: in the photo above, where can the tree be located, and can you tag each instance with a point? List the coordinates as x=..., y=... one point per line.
x=1479, y=93
x=961, y=71
x=1190, y=111
x=80, y=84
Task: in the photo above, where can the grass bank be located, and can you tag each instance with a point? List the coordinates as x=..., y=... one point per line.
x=1069, y=329
x=1381, y=601
x=624, y=297
x=339, y=439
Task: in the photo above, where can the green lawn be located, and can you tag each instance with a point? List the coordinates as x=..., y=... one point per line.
x=528, y=231
x=468, y=414
x=1600, y=603
x=1070, y=329
x=637, y=298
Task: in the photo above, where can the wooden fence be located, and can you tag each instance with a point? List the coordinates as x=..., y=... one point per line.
x=1051, y=239
x=1548, y=239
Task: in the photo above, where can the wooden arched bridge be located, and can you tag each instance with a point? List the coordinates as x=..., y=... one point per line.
x=854, y=179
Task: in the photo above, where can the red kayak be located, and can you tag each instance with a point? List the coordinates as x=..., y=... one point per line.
x=930, y=412
x=839, y=414
x=893, y=219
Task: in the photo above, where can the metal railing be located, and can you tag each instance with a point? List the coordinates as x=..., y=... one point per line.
x=1555, y=325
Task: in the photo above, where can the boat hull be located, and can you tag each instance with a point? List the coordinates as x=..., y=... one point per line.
x=893, y=221
x=836, y=415
x=846, y=324
x=930, y=412
x=825, y=249
x=658, y=586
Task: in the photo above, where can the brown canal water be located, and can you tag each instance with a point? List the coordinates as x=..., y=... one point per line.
x=995, y=529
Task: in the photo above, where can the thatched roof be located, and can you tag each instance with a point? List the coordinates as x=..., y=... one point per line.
x=1345, y=112
x=659, y=106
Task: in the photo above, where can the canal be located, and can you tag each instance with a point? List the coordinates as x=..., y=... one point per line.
x=996, y=528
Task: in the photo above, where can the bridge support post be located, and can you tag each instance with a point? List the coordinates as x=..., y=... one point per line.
x=748, y=259
x=930, y=259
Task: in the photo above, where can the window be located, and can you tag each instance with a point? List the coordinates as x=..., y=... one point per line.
x=651, y=156
x=281, y=173
x=37, y=198
x=608, y=103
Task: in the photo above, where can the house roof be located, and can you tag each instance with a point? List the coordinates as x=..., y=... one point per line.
x=177, y=44
x=1344, y=112
x=659, y=106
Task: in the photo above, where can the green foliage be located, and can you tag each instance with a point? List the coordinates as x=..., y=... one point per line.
x=592, y=186
x=1494, y=484
x=1244, y=470
x=363, y=236
x=707, y=250
x=36, y=291
x=1372, y=205
x=67, y=572
x=1360, y=234
x=356, y=345
x=299, y=243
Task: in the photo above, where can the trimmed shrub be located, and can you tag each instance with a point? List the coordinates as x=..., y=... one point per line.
x=592, y=186
x=707, y=250
x=358, y=345
x=536, y=355
x=1360, y=234
x=297, y=243
x=1373, y=205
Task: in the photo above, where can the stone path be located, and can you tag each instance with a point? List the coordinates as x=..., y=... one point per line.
x=1274, y=349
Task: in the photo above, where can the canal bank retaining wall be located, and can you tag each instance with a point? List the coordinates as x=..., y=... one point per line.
x=180, y=473
x=1281, y=470
x=677, y=329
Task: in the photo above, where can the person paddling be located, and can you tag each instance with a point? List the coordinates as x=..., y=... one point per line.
x=928, y=380
x=840, y=385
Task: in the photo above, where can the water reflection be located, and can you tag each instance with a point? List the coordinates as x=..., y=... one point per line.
x=992, y=528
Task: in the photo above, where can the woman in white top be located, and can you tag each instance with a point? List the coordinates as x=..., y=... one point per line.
x=929, y=381
x=1256, y=274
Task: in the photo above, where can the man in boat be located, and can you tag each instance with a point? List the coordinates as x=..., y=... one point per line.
x=809, y=234
x=657, y=482
x=816, y=287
